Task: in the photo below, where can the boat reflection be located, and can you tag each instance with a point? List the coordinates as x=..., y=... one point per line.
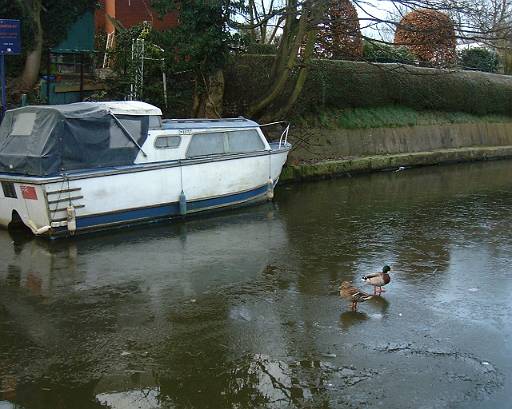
x=235, y=246
x=97, y=305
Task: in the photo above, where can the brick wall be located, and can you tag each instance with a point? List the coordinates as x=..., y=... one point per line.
x=130, y=13
x=99, y=17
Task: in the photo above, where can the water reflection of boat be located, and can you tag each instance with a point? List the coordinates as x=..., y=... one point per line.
x=236, y=247
x=67, y=297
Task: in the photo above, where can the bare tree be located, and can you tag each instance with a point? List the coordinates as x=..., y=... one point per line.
x=264, y=20
x=486, y=21
x=298, y=21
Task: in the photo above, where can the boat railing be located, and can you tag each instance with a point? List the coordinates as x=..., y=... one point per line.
x=283, y=139
x=285, y=136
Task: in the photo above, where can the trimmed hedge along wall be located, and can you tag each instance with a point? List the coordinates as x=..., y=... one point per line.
x=344, y=84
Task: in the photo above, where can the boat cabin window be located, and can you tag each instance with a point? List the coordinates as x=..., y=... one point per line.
x=155, y=122
x=167, y=141
x=206, y=144
x=247, y=140
x=23, y=124
x=9, y=190
x=118, y=139
x=238, y=141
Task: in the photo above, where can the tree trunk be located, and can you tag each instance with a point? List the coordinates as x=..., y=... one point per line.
x=284, y=74
x=28, y=78
x=301, y=78
x=252, y=31
x=298, y=34
x=289, y=30
x=208, y=100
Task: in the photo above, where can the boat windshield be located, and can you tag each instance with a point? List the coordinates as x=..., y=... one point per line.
x=225, y=142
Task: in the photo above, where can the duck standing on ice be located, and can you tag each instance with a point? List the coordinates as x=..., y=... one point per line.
x=353, y=294
x=378, y=280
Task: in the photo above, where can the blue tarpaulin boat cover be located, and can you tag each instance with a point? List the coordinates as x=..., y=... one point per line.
x=51, y=140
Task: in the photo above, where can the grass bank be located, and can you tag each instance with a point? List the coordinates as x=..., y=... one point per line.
x=388, y=117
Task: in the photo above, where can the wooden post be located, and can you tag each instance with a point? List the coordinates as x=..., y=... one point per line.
x=48, y=73
x=81, y=76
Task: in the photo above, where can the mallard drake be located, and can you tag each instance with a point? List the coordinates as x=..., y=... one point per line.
x=353, y=294
x=378, y=280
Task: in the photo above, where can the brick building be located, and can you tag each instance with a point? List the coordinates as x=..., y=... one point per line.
x=130, y=13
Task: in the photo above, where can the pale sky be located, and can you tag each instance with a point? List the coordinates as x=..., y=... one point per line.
x=379, y=9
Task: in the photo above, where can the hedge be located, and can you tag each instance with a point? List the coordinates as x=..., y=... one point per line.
x=385, y=53
x=479, y=58
x=350, y=84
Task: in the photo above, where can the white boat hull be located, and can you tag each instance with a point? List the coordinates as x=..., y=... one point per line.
x=101, y=199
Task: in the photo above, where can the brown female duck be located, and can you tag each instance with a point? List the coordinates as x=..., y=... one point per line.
x=378, y=280
x=353, y=294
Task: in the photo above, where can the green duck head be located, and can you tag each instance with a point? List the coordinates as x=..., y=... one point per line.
x=386, y=269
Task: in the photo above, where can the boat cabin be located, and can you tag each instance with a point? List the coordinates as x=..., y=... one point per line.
x=95, y=165
x=180, y=139
x=64, y=139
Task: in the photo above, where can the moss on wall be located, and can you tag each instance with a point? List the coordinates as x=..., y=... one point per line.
x=346, y=167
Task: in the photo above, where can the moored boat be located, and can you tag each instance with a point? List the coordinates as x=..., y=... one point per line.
x=95, y=165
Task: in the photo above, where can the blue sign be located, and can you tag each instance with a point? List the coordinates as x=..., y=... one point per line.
x=10, y=36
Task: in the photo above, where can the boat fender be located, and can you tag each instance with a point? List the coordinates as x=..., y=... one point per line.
x=37, y=231
x=183, y=204
x=270, y=189
x=71, y=219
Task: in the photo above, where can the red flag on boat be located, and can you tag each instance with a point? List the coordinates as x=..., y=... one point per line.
x=28, y=192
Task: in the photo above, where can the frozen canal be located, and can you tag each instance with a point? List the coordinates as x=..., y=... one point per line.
x=240, y=310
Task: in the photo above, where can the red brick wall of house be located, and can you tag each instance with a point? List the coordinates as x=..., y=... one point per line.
x=130, y=13
x=102, y=22
x=99, y=17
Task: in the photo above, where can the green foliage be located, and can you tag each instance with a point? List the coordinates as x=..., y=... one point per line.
x=201, y=41
x=197, y=47
x=480, y=59
x=118, y=87
x=261, y=49
x=384, y=53
x=388, y=117
x=334, y=85
x=60, y=15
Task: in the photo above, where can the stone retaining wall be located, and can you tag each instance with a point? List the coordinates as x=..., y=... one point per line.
x=321, y=153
